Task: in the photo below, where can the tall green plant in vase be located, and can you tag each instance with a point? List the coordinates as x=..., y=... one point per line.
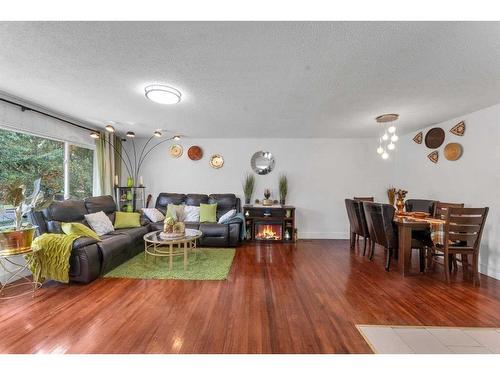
x=283, y=188
x=20, y=235
x=248, y=186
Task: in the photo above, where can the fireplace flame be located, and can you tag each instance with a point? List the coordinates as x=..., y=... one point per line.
x=266, y=232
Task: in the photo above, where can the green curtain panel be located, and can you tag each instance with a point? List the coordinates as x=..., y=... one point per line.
x=108, y=162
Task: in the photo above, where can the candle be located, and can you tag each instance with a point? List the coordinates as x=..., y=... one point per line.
x=116, y=180
x=141, y=181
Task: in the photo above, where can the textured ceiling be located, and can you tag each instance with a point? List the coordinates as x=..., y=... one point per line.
x=255, y=79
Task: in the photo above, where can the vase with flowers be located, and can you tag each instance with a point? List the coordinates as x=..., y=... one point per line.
x=400, y=202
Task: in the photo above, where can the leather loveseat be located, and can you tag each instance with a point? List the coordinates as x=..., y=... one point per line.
x=215, y=235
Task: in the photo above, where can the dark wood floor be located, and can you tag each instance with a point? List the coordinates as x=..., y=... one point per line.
x=303, y=298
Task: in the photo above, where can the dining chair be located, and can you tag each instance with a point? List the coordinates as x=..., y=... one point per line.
x=440, y=209
x=420, y=205
x=383, y=231
x=365, y=199
x=381, y=228
x=463, y=230
x=351, y=215
x=357, y=223
x=362, y=226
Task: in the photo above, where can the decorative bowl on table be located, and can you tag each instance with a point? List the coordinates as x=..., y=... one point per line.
x=171, y=236
x=420, y=215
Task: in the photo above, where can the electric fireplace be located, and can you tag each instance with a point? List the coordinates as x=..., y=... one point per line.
x=265, y=231
x=270, y=224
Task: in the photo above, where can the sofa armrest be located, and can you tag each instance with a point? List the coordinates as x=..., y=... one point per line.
x=85, y=263
x=81, y=242
x=234, y=233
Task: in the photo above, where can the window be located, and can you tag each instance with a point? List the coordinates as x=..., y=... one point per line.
x=25, y=157
x=81, y=168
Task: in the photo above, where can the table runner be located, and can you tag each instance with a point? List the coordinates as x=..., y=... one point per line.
x=436, y=227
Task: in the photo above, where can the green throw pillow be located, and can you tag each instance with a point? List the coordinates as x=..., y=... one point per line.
x=208, y=213
x=175, y=211
x=127, y=220
x=79, y=229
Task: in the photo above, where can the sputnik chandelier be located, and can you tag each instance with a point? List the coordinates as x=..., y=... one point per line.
x=388, y=137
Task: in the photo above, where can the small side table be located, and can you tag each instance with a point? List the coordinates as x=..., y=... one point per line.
x=14, y=270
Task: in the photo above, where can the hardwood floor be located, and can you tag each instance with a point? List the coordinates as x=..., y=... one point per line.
x=302, y=298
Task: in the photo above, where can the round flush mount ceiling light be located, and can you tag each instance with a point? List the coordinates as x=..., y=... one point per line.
x=162, y=94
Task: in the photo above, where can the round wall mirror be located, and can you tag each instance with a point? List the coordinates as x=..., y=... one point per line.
x=262, y=162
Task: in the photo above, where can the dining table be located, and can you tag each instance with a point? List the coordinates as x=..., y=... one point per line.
x=408, y=224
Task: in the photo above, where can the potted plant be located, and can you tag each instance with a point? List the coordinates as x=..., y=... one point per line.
x=283, y=188
x=19, y=236
x=248, y=185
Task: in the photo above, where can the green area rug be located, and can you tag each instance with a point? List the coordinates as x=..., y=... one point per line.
x=204, y=264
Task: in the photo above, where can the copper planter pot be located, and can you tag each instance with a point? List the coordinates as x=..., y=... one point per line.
x=16, y=241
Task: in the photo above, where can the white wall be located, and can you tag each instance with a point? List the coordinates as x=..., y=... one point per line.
x=474, y=179
x=321, y=174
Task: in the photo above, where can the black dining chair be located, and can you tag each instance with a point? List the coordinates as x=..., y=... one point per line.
x=383, y=231
x=357, y=221
x=420, y=205
x=351, y=215
x=361, y=225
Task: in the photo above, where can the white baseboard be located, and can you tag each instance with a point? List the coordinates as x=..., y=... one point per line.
x=489, y=271
x=323, y=235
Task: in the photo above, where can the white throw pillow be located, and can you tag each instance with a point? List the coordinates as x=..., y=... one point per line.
x=192, y=213
x=153, y=214
x=100, y=223
x=227, y=216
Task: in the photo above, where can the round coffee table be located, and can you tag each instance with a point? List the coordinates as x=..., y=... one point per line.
x=157, y=246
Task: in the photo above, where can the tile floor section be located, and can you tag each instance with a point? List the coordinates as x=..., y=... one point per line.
x=431, y=340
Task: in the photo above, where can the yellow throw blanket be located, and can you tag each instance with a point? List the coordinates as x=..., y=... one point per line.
x=51, y=261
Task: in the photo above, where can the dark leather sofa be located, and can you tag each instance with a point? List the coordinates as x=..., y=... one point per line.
x=91, y=258
x=215, y=235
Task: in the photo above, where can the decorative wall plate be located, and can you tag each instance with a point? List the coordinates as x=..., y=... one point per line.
x=433, y=156
x=453, y=151
x=216, y=161
x=175, y=151
x=434, y=138
x=195, y=153
x=458, y=129
x=418, y=138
